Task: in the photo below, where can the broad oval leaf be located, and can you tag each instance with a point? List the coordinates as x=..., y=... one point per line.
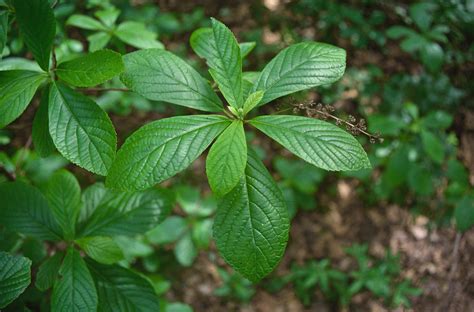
x=25, y=210
x=222, y=52
x=81, y=130
x=17, y=88
x=299, y=67
x=74, y=290
x=91, y=198
x=317, y=142
x=102, y=249
x=38, y=27
x=251, y=225
x=85, y=22
x=48, y=271
x=64, y=196
x=121, y=213
x=91, y=69
x=227, y=158
x=120, y=289
x=15, y=276
x=161, y=149
x=162, y=76
x=40, y=133
x=98, y=40
x=136, y=35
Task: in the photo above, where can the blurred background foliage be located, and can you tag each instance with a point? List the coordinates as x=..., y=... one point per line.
x=409, y=77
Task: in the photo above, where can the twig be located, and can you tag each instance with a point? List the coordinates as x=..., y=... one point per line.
x=352, y=125
x=454, y=268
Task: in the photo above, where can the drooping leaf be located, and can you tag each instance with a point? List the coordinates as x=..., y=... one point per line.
x=120, y=213
x=15, y=276
x=25, y=210
x=38, y=27
x=136, y=34
x=3, y=30
x=317, y=142
x=161, y=76
x=300, y=67
x=74, y=290
x=102, y=249
x=91, y=69
x=120, y=289
x=64, y=196
x=81, y=130
x=40, y=133
x=161, y=149
x=227, y=158
x=251, y=225
x=48, y=271
x=85, y=22
x=464, y=213
x=17, y=88
x=222, y=53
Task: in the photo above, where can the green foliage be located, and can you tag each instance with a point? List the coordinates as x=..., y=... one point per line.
x=380, y=277
x=92, y=69
x=15, y=276
x=234, y=286
x=251, y=226
x=94, y=143
x=30, y=14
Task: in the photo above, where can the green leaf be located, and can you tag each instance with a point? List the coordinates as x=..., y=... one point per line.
x=25, y=210
x=397, y=32
x=120, y=289
x=98, y=41
x=81, y=130
x=85, y=22
x=225, y=164
x=220, y=49
x=15, y=276
x=108, y=16
x=48, y=271
x=251, y=225
x=38, y=27
x=3, y=30
x=161, y=149
x=432, y=56
x=433, y=146
x=246, y=48
x=317, y=142
x=170, y=230
x=102, y=249
x=91, y=198
x=185, y=251
x=64, y=196
x=161, y=76
x=120, y=213
x=40, y=134
x=252, y=101
x=92, y=69
x=74, y=290
x=464, y=213
x=17, y=88
x=300, y=67
x=136, y=34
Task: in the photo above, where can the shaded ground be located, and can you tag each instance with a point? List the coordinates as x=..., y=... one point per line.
x=428, y=257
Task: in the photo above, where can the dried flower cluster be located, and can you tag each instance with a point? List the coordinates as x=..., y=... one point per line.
x=354, y=126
